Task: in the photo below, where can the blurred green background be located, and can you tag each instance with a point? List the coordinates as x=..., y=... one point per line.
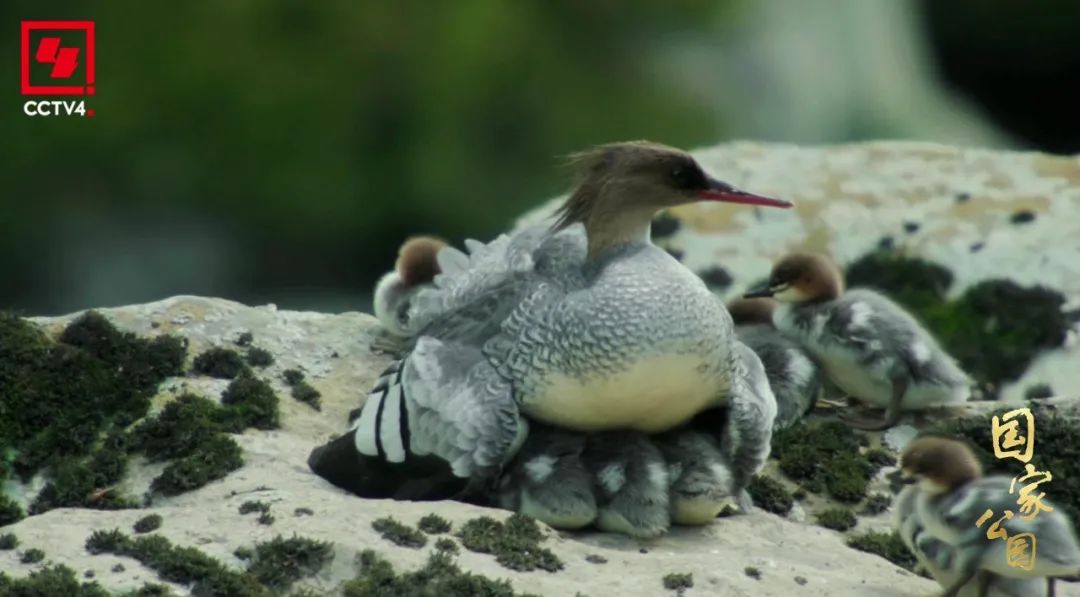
x=279, y=151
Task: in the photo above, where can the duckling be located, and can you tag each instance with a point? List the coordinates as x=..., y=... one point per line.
x=937, y=557
x=795, y=379
x=950, y=501
x=415, y=268
x=631, y=483
x=700, y=478
x=548, y=481
x=869, y=346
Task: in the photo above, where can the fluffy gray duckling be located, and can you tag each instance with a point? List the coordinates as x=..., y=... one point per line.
x=415, y=269
x=621, y=481
x=549, y=481
x=794, y=376
x=582, y=324
x=951, y=497
x=868, y=345
x=939, y=559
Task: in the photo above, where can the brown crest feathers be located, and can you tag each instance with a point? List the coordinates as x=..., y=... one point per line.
x=416, y=262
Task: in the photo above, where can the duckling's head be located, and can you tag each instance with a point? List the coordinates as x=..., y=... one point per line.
x=621, y=186
x=416, y=263
x=802, y=277
x=939, y=464
x=752, y=311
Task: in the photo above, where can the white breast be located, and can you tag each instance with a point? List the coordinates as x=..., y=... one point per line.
x=652, y=395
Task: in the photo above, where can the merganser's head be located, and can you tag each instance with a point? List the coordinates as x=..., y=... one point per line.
x=416, y=263
x=939, y=464
x=621, y=186
x=802, y=277
x=751, y=311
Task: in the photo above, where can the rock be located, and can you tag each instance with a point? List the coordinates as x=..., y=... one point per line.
x=850, y=197
x=276, y=473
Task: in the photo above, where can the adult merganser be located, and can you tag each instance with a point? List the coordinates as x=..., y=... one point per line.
x=586, y=325
x=951, y=501
x=869, y=346
x=795, y=379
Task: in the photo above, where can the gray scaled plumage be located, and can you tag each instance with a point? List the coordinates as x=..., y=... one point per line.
x=583, y=324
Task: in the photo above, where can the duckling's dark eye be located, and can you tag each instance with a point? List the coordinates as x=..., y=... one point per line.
x=688, y=177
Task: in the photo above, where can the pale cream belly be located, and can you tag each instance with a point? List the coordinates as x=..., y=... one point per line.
x=654, y=395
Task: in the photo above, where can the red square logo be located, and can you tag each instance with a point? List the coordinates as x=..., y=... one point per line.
x=50, y=44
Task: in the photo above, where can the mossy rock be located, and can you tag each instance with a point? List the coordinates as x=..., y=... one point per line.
x=57, y=399
x=51, y=580
x=887, y=545
x=280, y=562
x=514, y=543
x=770, y=495
x=439, y=577
x=1057, y=449
x=824, y=457
x=837, y=519
x=994, y=330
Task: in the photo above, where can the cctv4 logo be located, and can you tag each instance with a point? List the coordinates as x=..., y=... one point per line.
x=52, y=54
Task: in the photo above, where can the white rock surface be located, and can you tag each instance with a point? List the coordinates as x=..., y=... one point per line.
x=276, y=472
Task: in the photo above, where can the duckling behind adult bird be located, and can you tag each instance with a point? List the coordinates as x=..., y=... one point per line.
x=869, y=346
x=795, y=378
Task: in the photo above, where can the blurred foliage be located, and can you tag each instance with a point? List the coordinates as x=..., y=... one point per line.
x=298, y=143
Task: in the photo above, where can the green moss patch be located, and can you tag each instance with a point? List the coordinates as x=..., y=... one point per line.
x=877, y=503
x=824, y=457
x=302, y=390
x=223, y=363
x=183, y=565
x=249, y=402
x=50, y=580
x=8, y=541
x=887, y=545
x=280, y=562
x=58, y=398
x=259, y=357
x=433, y=524
x=32, y=556
x=86, y=482
x=211, y=461
x=178, y=430
x=446, y=544
x=399, y=533
x=678, y=581
x=994, y=329
x=150, y=590
x=837, y=519
x=10, y=511
x=770, y=495
x=439, y=577
x=305, y=393
x=514, y=543
x=1057, y=449
x=150, y=522
x=254, y=506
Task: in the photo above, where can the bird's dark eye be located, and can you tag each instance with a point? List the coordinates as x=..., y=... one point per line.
x=688, y=177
